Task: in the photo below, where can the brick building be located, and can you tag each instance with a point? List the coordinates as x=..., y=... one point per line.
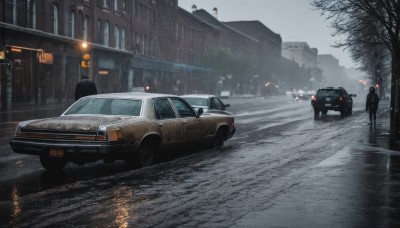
x=41, y=41
x=235, y=43
x=268, y=49
x=131, y=43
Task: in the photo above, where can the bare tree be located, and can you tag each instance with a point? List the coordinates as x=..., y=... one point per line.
x=369, y=22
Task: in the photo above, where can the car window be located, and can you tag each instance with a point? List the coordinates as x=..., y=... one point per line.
x=345, y=94
x=217, y=103
x=163, y=109
x=125, y=107
x=328, y=92
x=195, y=101
x=212, y=104
x=183, y=109
x=106, y=106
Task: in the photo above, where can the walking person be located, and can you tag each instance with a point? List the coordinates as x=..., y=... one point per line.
x=85, y=87
x=372, y=105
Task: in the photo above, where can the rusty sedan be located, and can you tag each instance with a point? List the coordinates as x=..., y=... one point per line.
x=135, y=127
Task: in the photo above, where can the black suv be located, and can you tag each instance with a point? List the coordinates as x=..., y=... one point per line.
x=330, y=98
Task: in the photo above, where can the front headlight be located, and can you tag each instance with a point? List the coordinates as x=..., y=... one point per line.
x=114, y=134
x=17, y=130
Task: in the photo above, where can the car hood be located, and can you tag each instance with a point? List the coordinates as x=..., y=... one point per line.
x=75, y=122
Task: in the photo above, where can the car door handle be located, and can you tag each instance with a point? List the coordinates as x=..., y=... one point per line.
x=160, y=124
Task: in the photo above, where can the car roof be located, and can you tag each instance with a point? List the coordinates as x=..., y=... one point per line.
x=131, y=95
x=198, y=95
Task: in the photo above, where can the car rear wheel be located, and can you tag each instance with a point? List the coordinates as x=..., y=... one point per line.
x=52, y=163
x=316, y=114
x=343, y=112
x=324, y=112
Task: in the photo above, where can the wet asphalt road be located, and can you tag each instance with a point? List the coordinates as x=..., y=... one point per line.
x=281, y=169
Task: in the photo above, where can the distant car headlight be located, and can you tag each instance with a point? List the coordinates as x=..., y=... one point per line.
x=114, y=134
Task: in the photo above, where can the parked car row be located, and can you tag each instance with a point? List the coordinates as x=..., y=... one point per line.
x=135, y=127
x=139, y=127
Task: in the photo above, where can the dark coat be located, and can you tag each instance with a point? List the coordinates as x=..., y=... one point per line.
x=372, y=101
x=85, y=87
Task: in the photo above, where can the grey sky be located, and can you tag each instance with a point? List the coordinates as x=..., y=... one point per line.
x=294, y=20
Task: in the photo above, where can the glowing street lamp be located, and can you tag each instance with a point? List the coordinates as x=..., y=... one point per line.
x=84, y=45
x=85, y=63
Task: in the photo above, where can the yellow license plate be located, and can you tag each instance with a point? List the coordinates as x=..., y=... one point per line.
x=56, y=152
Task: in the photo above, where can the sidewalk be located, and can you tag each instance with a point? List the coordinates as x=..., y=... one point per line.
x=359, y=186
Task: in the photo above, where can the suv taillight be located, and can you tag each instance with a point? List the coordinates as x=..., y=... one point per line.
x=340, y=98
x=314, y=98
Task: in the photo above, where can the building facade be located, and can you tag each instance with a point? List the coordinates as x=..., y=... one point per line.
x=301, y=53
x=331, y=70
x=150, y=44
x=268, y=49
x=237, y=45
x=309, y=77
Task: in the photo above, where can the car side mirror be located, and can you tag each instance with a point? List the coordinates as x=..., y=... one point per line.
x=199, y=112
x=224, y=106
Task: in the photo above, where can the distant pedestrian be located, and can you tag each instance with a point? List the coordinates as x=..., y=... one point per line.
x=372, y=104
x=85, y=87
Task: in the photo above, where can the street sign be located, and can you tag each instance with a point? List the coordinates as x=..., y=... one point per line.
x=45, y=58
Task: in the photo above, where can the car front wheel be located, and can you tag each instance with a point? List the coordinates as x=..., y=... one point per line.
x=219, y=138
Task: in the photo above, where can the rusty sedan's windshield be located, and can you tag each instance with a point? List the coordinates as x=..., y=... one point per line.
x=106, y=106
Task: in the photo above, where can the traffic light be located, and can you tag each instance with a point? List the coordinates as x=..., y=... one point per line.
x=85, y=61
x=85, y=64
